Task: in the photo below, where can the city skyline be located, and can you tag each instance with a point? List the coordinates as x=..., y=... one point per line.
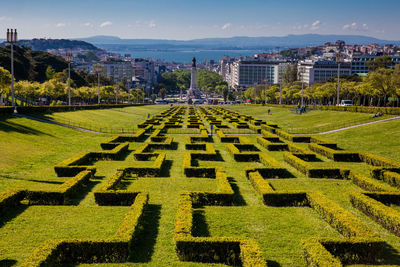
x=185, y=20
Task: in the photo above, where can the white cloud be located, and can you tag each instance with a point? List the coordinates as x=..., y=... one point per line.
x=315, y=25
x=88, y=24
x=3, y=18
x=226, y=26
x=60, y=25
x=105, y=24
x=152, y=24
x=355, y=27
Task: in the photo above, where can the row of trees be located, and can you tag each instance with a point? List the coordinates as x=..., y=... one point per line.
x=55, y=90
x=380, y=87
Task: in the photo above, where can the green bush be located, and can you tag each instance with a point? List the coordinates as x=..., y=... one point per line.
x=367, y=183
x=272, y=146
x=381, y=213
x=6, y=110
x=334, y=154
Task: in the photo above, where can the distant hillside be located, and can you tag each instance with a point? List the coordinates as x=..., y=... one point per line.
x=44, y=44
x=240, y=42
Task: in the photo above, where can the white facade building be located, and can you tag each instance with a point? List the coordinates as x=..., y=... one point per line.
x=310, y=71
x=117, y=70
x=359, y=62
x=246, y=73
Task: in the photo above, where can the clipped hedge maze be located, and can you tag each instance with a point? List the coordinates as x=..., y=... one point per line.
x=276, y=155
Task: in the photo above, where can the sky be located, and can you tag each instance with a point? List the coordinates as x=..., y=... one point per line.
x=192, y=19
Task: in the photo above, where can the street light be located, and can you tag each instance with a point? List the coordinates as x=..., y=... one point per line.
x=338, y=61
x=98, y=68
x=302, y=85
x=69, y=58
x=12, y=39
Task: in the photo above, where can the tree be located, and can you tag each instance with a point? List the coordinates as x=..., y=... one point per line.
x=163, y=93
x=5, y=82
x=382, y=83
x=380, y=62
x=153, y=97
x=290, y=74
x=138, y=94
x=50, y=72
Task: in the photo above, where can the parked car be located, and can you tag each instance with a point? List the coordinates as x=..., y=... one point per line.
x=346, y=103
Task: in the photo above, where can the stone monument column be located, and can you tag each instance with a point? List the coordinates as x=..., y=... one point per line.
x=193, y=81
x=193, y=92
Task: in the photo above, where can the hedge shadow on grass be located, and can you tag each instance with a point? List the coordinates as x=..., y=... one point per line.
x=7, y=263
x=11, y=214
x=200, y=226
x=238, y=199
x=273, y=264
x=82, y=193
x=7, y=126
x=166, y=169
x=144, y=241
x=4, y=176
x=218, y=157
x=390, y=256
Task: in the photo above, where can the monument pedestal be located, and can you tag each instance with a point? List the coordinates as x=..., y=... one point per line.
x=193, y=92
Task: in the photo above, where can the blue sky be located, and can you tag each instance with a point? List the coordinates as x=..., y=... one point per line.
x=188, y=19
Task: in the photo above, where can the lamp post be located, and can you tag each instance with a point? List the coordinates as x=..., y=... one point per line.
x=98, y=69
x=302, y=85
x=338, y=61
x=12, y=39
x=116, y=94
x=69, y=58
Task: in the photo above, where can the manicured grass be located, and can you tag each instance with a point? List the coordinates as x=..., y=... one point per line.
x=382, y=139
x=36, y=224
x=31, y=149
x=106, y=120
x=313, y=121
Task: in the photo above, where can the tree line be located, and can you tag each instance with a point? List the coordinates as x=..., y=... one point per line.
x=381, y=87
x=55, y=90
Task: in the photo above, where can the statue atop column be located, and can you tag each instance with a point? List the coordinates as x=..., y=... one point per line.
x=194, y=62
x=193, y=92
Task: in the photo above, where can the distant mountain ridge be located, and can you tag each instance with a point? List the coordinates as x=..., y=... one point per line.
x=241, y=42
x=45, y=44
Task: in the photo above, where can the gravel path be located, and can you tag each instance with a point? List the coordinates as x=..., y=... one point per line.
x=359, y=125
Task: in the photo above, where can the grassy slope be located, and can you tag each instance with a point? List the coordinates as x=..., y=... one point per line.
x=277, y=230
x=381, y=138
x=310, y=122
x=127, y=117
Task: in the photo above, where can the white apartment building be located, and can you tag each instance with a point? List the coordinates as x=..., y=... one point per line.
x=359, y=62
x=145, y=69
x=310, y=71
x=117, y=70
x=246, y=73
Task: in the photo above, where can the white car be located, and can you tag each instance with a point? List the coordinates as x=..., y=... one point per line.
x=346, y=103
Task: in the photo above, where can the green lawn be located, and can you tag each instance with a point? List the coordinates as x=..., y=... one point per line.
x=106, y=120
x=313, y=121
x=30, y=150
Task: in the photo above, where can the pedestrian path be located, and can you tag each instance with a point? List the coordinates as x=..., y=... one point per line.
x=359, y=125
